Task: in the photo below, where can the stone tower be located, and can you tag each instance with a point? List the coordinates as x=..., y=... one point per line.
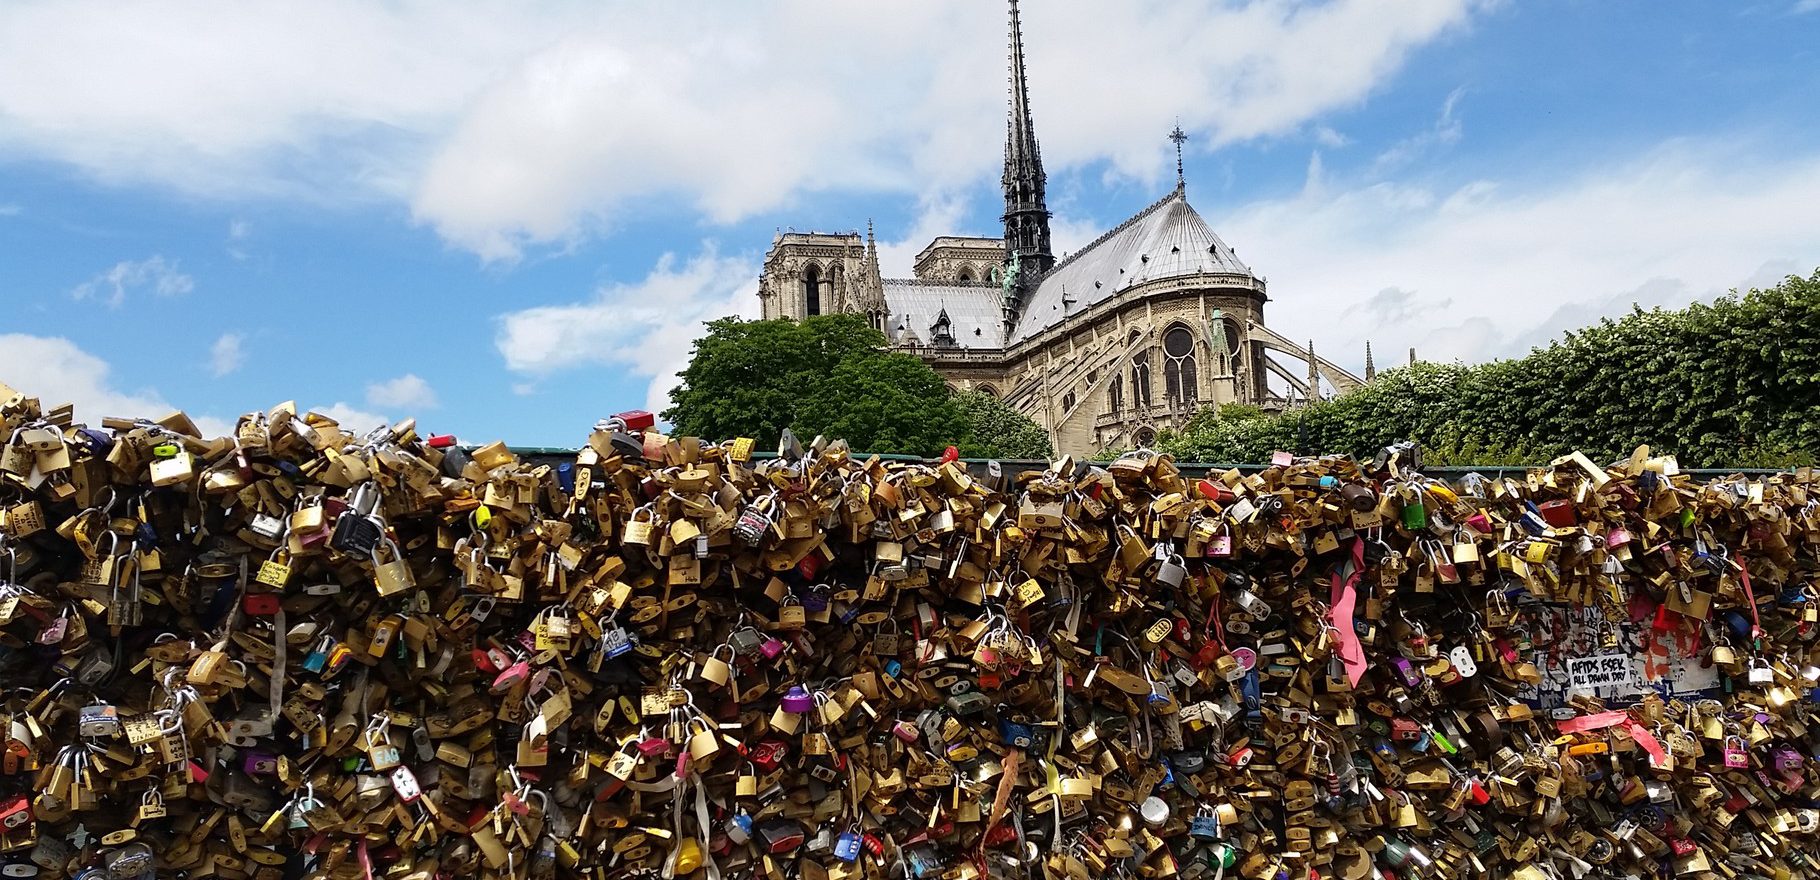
x=1026, y=208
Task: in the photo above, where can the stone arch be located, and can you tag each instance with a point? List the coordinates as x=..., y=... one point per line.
x=812, y=289
x=986, y=389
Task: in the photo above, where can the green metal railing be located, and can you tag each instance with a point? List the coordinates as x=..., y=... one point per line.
x=552, y=454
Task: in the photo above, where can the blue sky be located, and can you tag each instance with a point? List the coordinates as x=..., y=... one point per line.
x=509, y=221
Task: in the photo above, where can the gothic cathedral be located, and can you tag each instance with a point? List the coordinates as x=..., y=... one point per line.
x=1132, y=333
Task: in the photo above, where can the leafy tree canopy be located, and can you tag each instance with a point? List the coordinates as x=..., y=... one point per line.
x=1734, y=383
x=832, y=375
x=998, y=431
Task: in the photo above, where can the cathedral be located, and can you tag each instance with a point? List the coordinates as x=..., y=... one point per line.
x=1103, y=347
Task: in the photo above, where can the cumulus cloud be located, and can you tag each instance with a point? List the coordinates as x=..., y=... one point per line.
x=643, y=328
x=407, y=392
x=1491, y=268
x=154, y=273
x=227, y=354
x=352, y=419
x=58, y=371
x=505, y=127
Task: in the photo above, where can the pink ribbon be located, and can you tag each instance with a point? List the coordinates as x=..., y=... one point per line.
x=1600, y=721
x=1657, y=755
x=1352, y=654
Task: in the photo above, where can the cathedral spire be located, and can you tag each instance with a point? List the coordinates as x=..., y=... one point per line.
x=1178, y=135
x=1371, y=370
x=1026, y=210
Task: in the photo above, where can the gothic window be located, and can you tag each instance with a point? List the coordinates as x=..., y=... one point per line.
x=812, y=290
x=1068, y=401
x=1179, y=377
x=986, y=390
x=1140, y=379
x=965, y=276
x=1115, y=393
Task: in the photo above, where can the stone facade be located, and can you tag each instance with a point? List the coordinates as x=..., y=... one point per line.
x=1131, y=334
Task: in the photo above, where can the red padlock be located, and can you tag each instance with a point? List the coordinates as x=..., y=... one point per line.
x=636, y=419
x=1559, y=513
x=15, y=811
x=769, y=754
x=261, y=604
x=1205, y=655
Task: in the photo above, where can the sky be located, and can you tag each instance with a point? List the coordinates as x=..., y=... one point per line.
x=509, y=220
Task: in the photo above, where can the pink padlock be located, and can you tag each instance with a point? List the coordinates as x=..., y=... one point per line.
x=511, y=676
x=771, y=648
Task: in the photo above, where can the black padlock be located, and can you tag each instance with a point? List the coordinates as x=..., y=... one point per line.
x=357, y=531
x=454, y=461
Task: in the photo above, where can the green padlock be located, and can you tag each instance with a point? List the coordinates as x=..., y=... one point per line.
x=1415, y=516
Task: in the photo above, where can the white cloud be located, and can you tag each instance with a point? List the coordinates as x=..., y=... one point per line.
x=407, y=392
x=644, y=328
x=1445, y=132
x=1806, y=6
x=351, y=419
x=939, y=214
x=8, y=209
x=1329, y=138
x=154, y=273
x=1491, y=268
x=506, y=126
x=227, y=354
x=58, y=371
x=239, y=229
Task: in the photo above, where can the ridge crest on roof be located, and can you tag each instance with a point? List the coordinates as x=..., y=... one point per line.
x=1116, y=230
x=931, y=282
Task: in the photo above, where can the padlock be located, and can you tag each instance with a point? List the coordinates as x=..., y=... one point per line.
x=357, y=531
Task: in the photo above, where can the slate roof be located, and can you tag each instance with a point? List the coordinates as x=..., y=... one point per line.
x=1166, y=240
x=973, y=308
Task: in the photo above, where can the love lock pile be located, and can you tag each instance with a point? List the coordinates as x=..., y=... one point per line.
x=296, y=652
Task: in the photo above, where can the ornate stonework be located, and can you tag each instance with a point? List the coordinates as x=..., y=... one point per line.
x=1129, y=335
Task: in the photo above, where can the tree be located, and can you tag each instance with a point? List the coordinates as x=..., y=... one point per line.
x=998, y=431
x=828, y=374
x=1733, y=383
x=883, y=403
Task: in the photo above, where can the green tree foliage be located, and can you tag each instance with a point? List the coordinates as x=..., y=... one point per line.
x=883, y=403
x=832, y=375
x=1734, y=383
x=998, y=431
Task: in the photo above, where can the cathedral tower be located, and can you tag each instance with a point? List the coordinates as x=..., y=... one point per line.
x=1026, y=210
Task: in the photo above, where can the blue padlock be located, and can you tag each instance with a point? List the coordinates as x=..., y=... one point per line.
x=1014, y=734
x=892, y=668
x=318, y=658
x=1738, y=624
x=1204, y=827
x=847, y=847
